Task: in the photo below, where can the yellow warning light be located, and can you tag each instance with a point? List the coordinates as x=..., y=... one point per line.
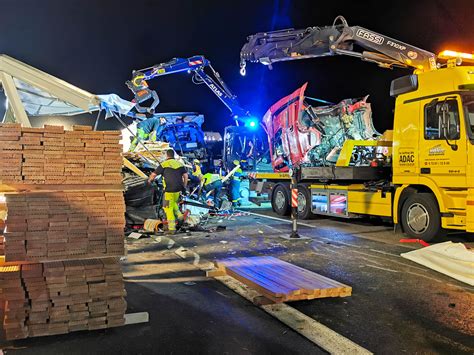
x=447, y=54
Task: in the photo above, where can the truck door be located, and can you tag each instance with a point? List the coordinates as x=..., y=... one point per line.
x=443, y=155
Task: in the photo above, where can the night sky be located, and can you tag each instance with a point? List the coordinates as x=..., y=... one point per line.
x=96, y=44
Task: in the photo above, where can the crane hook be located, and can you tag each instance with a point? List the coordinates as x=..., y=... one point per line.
x=243, y=70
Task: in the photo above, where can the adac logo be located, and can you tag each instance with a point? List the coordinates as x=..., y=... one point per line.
x=436, y=150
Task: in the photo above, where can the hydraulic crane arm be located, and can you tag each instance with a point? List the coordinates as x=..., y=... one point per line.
x=338, y=39
x=196, y=66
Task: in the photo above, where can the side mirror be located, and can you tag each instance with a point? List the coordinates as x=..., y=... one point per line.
x=449, y=130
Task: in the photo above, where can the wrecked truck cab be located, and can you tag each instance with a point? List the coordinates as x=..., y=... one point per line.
x=302, y=135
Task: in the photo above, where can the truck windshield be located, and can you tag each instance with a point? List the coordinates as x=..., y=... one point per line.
x=468, y=104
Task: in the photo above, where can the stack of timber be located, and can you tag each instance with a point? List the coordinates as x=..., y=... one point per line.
x=51, y=155
x=60, y=297
x=278, y=280
x=60, y=269
x=43, y=226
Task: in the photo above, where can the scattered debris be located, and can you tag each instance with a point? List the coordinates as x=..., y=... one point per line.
x=422, y=242
x=452, y=259
x=181, y=252
x=152, y=225
x=135, y=235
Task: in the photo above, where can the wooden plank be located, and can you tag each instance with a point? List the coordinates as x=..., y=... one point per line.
x=137, y=318
x=244, y=264
x=324, y=281
x=133, y=168
x=16, y=188
x=268, y=272
x=270, y=287
x=316, y=283
x=281, y=281
x=301, y=271
x=304, y=286
x=254, y=286
x=215, y=273
x=69, y=257
x=238, y=265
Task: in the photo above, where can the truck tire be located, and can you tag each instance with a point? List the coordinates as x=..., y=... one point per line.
x=420, y=217
x=281, y=200
x=304, y=202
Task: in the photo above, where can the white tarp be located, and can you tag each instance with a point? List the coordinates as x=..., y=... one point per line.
x=115, y=103
x=38, y=102
x=452, y=259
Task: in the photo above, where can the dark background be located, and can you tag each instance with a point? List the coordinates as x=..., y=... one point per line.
x=96, y=44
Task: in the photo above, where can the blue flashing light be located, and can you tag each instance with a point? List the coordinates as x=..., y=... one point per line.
x=251, y=123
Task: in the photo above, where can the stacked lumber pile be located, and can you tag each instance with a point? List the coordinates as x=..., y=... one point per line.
x=60, y=297
x=278, y=280
x=45, y=226
x=61, y=239
x=51, y=155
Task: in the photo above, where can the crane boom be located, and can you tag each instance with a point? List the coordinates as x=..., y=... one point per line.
x=195, y=65
x=338, y=39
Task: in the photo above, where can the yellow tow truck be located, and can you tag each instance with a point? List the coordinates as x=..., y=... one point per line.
x=425, y=181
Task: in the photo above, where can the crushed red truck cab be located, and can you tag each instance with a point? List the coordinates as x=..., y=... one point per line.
x=300, y=134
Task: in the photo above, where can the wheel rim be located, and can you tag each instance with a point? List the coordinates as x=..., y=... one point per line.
x=301, y=202
x=418, y=218
x=280, y=200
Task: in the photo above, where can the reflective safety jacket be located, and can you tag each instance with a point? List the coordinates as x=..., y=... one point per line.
x=197, y=171
x=172, y=172
x=210, y=178
x=238, y=174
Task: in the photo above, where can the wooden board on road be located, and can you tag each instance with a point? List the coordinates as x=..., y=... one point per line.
x=280, y=281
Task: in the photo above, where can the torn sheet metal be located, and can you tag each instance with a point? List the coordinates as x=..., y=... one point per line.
x=452, y=259
x=300, y=134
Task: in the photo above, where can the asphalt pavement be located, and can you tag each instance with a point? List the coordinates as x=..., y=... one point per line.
x=396, y=307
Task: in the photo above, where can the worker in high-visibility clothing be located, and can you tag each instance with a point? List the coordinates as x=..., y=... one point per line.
x=145, y=130
x=175, y=178
x=196, y=175
x=212, y=184
x=234, y=185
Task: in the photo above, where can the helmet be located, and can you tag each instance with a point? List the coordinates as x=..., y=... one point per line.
x=196, y=161
x=236, y=162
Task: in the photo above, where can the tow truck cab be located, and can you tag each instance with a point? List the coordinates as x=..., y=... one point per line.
x=433, y=152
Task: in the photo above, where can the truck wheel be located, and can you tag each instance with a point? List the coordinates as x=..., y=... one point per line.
x=281, y=200
x=420, y=217
x=304, y=202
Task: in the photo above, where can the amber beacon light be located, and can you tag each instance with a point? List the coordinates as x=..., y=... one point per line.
x=448, y=54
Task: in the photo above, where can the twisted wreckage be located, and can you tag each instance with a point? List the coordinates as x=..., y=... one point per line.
x=300, y=134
